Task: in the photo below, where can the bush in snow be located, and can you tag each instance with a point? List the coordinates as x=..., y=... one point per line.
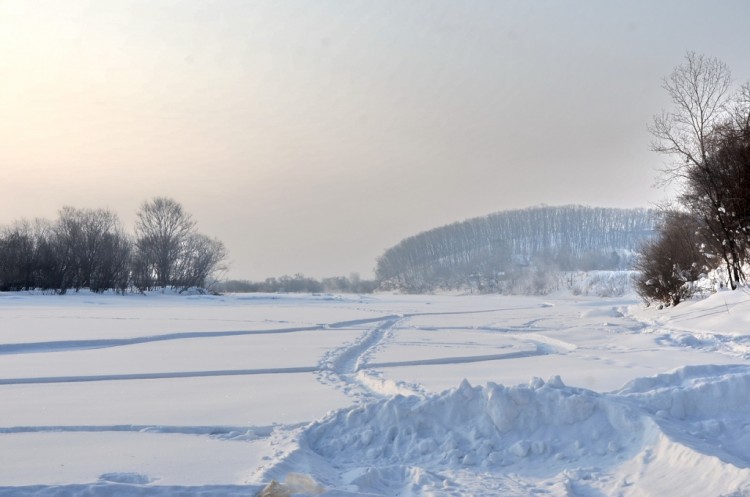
x=669, y=264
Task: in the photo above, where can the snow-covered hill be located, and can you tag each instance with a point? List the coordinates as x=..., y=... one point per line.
x=501, y=252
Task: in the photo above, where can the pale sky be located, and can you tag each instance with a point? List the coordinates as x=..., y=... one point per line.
x=310, y=136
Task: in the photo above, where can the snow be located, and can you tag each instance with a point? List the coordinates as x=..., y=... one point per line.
x=180, y=459
x=383, y=395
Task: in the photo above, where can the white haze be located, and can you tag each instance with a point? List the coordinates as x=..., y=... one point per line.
x=311, y=136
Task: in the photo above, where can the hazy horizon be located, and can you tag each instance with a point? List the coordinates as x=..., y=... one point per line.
x=311, y=136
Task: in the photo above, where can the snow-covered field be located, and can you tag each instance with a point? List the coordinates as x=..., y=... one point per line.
x=374, y=395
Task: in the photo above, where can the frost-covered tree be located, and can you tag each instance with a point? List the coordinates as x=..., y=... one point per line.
x=707, y=134
x=493, y=253
x=719, y=192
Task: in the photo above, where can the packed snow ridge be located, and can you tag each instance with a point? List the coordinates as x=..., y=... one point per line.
x=628, y=442
x=484, y=426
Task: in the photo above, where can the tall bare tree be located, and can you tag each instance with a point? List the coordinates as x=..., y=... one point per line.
x=699, y=90
x=162, y=229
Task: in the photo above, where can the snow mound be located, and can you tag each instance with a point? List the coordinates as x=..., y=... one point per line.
x=611, y=312
x=647, y=439
x=704, y=407
x=486, y=427
x=693, y=392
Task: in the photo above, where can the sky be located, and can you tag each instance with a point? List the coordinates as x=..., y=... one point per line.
x=310, y=136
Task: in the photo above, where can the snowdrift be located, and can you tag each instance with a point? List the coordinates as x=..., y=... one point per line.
x=704, y=407
x=489, y=426
x=652, y=436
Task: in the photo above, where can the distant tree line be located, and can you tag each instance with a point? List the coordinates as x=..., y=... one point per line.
x=707, y=134
x=88, y=248
x=516, y=251
x=300, y=284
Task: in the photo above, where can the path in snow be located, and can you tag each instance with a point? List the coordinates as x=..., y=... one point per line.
x=350, y=370
x=339, y=367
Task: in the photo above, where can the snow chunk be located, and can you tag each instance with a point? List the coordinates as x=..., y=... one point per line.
x=294, y=484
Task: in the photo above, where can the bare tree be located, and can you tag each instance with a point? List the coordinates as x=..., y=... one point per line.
x=162, y=229
x=92, y=247
x=114, y=263
x=17, y=257
x=87, y=248
x=51, y=262
x=699, y=89
x=201, y=258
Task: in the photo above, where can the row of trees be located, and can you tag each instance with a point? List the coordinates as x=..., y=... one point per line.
x=88, y=248
x=707, y=135
x=511, y=251
x=300, y=283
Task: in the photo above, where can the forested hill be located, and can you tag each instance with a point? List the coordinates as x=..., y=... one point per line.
x=495, y=251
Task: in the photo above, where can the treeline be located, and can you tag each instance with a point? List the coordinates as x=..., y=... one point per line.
x=300, y=284
x=88, y=248
x=707, y=133
x=516, y=251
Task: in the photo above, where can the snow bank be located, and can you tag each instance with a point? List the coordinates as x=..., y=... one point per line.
x=705, y=407
x=651, y=438
x=489, y=426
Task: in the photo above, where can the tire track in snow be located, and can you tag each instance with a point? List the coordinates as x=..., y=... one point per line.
x=72, y=345
x=104, y=488
x=155, y=376
x=338, y=367
x=460, y=359
x=244, y=433
x=69, y=345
